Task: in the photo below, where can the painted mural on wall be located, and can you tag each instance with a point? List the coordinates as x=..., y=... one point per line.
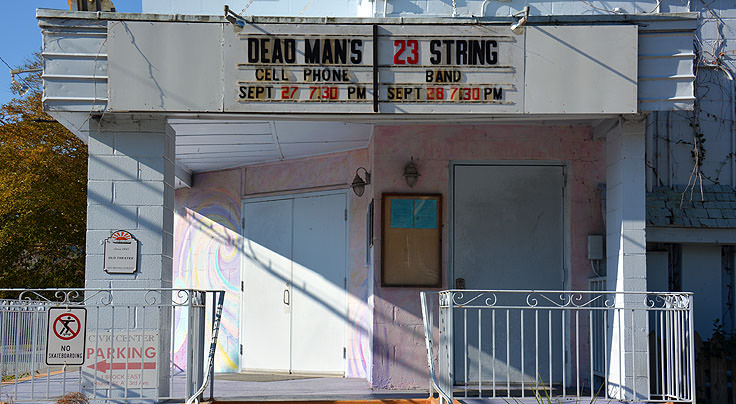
x=360, y=313
x=206, y=256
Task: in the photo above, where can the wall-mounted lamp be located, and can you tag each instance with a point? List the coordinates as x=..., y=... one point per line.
x=518, y=26
x=234, y=18
x=18, y=87
x=411, y=174
x=359, y=183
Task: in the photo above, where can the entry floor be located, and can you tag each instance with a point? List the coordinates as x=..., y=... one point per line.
x=227, y=387
x=275, y=387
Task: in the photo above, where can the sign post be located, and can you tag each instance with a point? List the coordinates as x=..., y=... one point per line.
x=66, y=336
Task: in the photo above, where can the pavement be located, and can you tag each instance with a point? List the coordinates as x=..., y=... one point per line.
x=229, y=387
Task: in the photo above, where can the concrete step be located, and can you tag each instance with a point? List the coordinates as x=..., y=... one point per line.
x=416, y=400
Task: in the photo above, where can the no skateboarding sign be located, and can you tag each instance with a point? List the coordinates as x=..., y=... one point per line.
x=65, y=336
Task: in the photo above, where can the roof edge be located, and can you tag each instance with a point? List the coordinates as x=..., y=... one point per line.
x=551, y=19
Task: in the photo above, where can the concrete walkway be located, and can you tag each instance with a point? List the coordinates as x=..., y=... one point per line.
x=227, y=387
x=247, y=387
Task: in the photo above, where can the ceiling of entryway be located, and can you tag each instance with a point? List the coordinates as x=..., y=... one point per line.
x=214, y=144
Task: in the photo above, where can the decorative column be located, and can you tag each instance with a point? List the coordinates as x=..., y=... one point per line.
x=626, y=258
x=130, y=188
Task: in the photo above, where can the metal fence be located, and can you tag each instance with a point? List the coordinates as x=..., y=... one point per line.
x=140, y=345
x=20, y=325
x=598, y=284
x=546, y=344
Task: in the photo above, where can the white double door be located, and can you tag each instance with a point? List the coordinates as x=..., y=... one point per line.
x=294, y=304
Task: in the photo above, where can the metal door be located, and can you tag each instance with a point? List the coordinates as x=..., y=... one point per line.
x=508, y=234
x=294, y=302
x=266, y=315
x=319, y=312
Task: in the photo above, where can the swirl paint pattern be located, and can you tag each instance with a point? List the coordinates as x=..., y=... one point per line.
x=206, y=256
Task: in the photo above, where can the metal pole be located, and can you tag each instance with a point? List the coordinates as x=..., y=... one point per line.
x=691, y=334
x=201, y=314
x=450, y=344
x=212, y=363
x=191, y=345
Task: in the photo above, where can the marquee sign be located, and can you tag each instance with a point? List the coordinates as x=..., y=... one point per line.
x=371, y=68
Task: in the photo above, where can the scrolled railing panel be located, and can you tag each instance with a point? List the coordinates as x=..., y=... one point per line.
x=627, y=346
x=132, y=334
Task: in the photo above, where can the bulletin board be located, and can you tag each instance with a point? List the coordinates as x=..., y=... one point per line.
x=411, y=240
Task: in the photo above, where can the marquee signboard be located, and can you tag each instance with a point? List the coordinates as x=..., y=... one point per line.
x=341, y=66
x=370, y=68
x=469, y=68
x=299, y=68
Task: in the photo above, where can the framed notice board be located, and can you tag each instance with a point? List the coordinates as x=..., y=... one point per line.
x=411, y=240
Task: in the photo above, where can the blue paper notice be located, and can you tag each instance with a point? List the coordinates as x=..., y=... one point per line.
x=425, y=214
x=401, y=213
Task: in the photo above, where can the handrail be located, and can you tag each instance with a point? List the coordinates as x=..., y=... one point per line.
x=213, y=346
x=430, y=344
x=549, y=291
x=637, y=349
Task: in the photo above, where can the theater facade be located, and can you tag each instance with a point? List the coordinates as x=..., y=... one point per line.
x=324, y=171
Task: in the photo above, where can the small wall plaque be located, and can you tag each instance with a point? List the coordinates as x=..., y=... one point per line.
x=121, y=253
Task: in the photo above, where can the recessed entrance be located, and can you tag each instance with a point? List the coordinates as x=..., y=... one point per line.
x=294, y=304
x=508, y=233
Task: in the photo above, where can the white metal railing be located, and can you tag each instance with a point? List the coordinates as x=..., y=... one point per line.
x=19, y=333
x=130, y=337
x=598, y=284
x=543, y=344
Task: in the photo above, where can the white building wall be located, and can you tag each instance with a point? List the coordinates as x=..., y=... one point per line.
x=671, y=135
x=409, y=8
x=303, y=8
x=701, y=274
x=657, y=270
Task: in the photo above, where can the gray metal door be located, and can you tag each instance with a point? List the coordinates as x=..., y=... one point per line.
x=508, y=234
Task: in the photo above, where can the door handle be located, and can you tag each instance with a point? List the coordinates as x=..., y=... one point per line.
x=286, y=296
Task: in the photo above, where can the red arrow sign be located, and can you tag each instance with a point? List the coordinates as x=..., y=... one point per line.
x=103, y=366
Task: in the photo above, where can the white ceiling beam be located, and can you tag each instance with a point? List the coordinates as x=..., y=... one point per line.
x=183, y=176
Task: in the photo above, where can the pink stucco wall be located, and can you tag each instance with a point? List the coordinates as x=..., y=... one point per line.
x=386, y=343
x=399, y=354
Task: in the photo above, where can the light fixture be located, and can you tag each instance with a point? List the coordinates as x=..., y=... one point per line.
x=91, y=5
x=359, y=183
x=234, y=18
x=411, y=174
x=518, y=26
x=18, y=87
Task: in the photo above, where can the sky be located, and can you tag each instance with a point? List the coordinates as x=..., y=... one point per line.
x=21, y=36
